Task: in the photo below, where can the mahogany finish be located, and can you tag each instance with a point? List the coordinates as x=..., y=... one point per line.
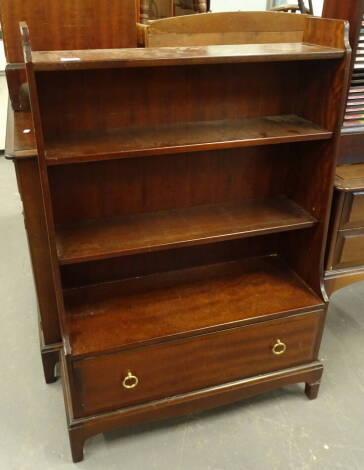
x=168, y=56
x=156, y=260
x=344, y=257
x=180, y=137
x=58, y=24
x=20, y=139
x=351, y=11
x=182, y=302
x=350, y=248
x=17, y=86
x=354, y=211
x=143, y=264
x=20, y=146
x=68, y=24
x=176, y=228
x=62, y=24
x=211, y=397
x=201, y=362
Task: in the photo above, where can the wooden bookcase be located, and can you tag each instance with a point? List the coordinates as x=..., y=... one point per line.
x=187, y=194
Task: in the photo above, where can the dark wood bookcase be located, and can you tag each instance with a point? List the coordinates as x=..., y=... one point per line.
x=187, y=193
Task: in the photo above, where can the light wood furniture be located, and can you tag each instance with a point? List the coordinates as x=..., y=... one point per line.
x=293, y=8
x=60, y=24
x=157, y=9
x=222, y=28
x=180, y=219
x=345, y=248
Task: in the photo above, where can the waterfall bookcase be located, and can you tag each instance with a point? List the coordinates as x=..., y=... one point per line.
x=187, y=193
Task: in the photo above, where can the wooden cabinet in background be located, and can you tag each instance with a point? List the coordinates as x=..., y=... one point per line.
x=345, y=248
x=345, y=256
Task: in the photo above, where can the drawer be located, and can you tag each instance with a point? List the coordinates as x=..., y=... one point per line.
x=353, y=212
x=349, y=248
x=175, y=367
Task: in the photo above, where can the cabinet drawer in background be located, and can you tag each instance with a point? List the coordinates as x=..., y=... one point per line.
x=181, y=366
x=353, y=212
x=349, y=248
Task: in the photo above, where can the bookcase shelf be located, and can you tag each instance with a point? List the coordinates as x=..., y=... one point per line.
x=181, y=137
x=162, y=230
x=184, y=302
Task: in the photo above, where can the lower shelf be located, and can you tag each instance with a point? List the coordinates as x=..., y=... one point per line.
x=181, y=303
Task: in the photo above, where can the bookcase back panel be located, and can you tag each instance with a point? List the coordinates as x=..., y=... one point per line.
x=93, y=101
x=111, y=99
x=80, y=192
x=114, y=269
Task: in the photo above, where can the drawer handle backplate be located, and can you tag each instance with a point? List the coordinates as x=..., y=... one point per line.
x=130, y=381
x=279, y=348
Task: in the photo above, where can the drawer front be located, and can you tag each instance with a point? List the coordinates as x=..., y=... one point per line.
x=353, y=213
x=350, y=248
x=176, y=367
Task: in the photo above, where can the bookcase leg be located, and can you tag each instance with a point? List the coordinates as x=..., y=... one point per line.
x=49, y=360
x=77, y=442
x=312, y=389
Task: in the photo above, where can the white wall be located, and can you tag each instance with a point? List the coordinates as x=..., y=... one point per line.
x=234, y=5
x=255, y=5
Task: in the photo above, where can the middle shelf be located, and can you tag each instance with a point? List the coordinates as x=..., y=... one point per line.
x=153, y=231
x=180, y=137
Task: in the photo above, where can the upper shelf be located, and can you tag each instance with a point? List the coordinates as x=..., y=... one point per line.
x=181, y=137
x=168, y=56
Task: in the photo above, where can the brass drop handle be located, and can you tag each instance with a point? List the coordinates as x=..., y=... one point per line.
x=279, y=348
x=130, y=381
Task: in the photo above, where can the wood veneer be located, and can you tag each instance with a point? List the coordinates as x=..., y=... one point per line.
x=201, y=362
x=61, y=25
x=344, y=259
x=123, y=298
x=182, y=303
x=178, y=227
x=68, y=24
x=181, y=137
x=20, y=146
x=169, y=56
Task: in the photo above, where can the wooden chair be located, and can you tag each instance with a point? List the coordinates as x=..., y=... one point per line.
x=157, y=9
x=293, y=8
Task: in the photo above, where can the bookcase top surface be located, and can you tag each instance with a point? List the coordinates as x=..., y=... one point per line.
x=20, y=139
x=168, y=56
